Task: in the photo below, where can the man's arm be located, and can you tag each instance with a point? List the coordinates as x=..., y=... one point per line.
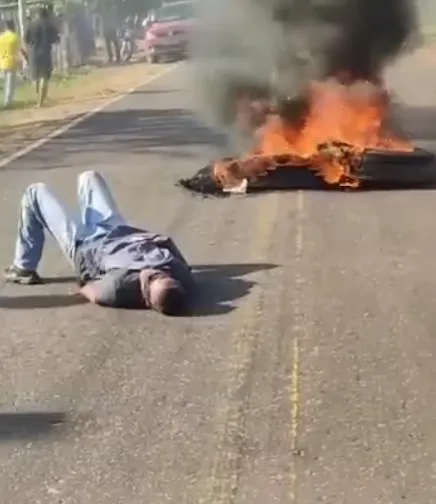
x=102, y=292
x=172, y=247
x=116, y=289
x=28, y=36
x=19, y=49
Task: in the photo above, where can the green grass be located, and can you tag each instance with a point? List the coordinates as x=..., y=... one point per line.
x=25, y=95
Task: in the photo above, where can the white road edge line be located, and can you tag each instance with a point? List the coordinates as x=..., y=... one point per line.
x=83, y=117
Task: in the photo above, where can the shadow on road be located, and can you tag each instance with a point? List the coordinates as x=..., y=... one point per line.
x=59, y=280
x=219, y=285
x=38, y=301
x=17, y=136
x=29, y=425
x=162, y=132
x=138, y=130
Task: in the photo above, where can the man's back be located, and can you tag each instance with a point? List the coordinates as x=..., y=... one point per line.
x=40, y=37
x=9, y=49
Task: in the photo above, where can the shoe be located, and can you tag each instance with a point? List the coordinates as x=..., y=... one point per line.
x=22, y=276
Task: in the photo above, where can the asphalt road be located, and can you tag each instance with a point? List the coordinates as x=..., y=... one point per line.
x=307, y=373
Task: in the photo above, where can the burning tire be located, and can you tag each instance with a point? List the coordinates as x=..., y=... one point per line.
x=378, y=168
x=415, y=167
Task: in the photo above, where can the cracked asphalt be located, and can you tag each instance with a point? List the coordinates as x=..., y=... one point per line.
x=307, y=372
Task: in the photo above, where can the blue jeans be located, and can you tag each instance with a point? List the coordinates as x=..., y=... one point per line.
x=10, y=77
x=41, y=211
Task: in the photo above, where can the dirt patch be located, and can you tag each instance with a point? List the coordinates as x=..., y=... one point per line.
x=68, y=98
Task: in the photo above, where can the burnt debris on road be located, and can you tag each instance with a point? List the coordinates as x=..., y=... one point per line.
x=412, y=169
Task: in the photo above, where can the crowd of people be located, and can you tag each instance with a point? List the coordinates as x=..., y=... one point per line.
x=34, y=52
x=116, y=32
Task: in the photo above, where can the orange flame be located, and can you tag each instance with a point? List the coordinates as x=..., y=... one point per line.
x=341, y=123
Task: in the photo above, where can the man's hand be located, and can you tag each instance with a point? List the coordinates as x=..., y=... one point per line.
x=103, y=291
x=89, y=292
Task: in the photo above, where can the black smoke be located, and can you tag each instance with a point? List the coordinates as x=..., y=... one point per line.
x=274, y=48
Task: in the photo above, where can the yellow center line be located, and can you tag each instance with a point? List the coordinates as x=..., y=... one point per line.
x=294, y=391
x=222, y=483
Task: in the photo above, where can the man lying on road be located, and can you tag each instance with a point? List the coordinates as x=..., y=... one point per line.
x=116, y=264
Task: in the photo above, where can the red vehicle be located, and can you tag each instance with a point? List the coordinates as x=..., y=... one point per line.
x=168, y=29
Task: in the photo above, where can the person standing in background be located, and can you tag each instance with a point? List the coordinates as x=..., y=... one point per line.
x=40, y=37
x=9, y=59
x=111, y=25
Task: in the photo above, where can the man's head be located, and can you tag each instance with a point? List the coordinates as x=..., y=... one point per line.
x=10, y=25
x=163, y=293
x=43, y=13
